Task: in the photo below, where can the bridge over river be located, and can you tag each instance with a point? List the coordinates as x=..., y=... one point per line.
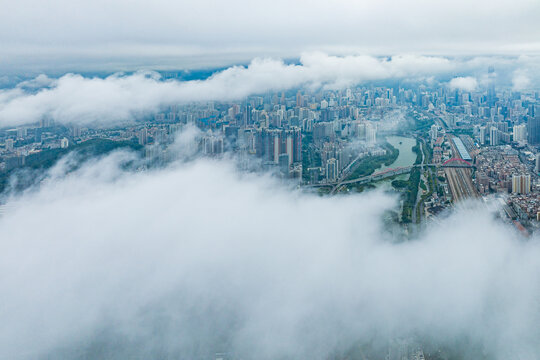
x=386, y=173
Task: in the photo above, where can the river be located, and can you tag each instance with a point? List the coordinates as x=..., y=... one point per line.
x=406, y=157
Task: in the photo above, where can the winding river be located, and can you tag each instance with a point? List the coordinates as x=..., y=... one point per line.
x=406, y=157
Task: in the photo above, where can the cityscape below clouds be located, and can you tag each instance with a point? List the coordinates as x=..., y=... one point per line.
x=274, y=180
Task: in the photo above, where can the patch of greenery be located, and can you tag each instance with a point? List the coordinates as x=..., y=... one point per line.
x=400, y=184
x=369, y=164
x=47, y=158
x=427, y=153
x=360, y=187
x=417, y=149
x=324, y=191
x=410, y=196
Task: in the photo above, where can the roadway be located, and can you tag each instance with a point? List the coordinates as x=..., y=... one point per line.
x=419, y=190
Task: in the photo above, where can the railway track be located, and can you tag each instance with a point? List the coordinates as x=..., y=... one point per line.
x=460, y=183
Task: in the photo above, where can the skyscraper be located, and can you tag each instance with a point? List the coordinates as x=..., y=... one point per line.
x=491, y=95
x=289, y=148
x=533, y=129
x=493, y=136
x=299, y=99
x=284, y=164
x=519, y=132
x=371, y=133
x=483, y=131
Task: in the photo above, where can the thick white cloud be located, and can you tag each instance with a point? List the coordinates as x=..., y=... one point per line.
x=195, y=259
x=122, y=33
x=464, y=83
x=520, y=80
x=74, y=98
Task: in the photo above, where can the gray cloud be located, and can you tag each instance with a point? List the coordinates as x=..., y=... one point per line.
x=35, y=35
x=196, y=258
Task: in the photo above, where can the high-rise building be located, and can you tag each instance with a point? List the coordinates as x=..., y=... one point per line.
x=276, y=146
x=332, y=167
x=143, y=136
x=299, y=101
x=434, y=132
x=483, y=131
x=519, y=133
x=371, y=133
x=533, y=130
x=493, y=136
x=521, y=184
x=297, y=145
x=9, y=144
x=537, y=164
x=22, y=132
x=37, y=135
x=289, y=147
x=491, y=94
x=324, y=104
x=284, y=164
x=75, y=131
x=213, y=145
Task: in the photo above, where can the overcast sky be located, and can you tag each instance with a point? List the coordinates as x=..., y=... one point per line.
x=37, y=34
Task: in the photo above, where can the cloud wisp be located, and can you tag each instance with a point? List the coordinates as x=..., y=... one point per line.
x=208, y=260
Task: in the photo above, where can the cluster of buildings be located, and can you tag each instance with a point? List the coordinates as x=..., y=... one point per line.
x=497, y=130
x=291, y=132
x=315, y=137
x=499, y=169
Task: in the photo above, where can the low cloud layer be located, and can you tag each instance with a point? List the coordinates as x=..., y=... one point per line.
x=117, y=98
x=195, y=259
